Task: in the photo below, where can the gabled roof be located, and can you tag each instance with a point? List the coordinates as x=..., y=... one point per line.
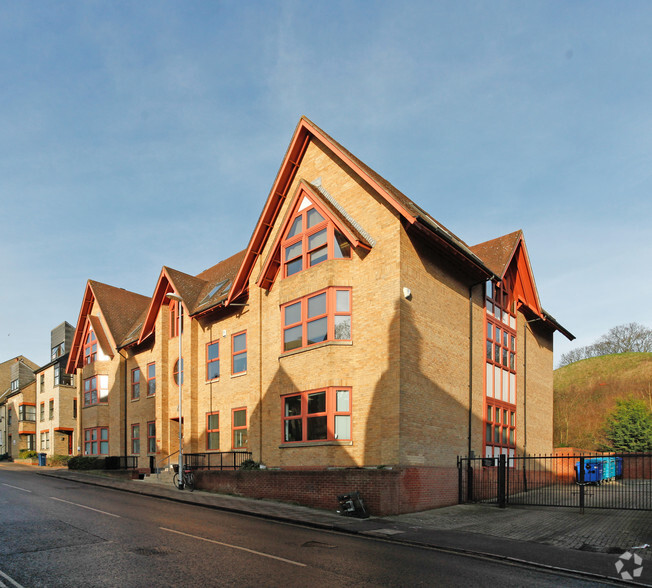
x=305, y=132
x=352, y=230
x=201, y=293
x=507, y=256
x=119, y=309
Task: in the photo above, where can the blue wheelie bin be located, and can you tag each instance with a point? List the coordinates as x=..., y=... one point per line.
x=42, y=459
x=619, y=467
x=592, y=471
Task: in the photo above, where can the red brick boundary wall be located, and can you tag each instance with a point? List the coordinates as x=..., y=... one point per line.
x=384, y=491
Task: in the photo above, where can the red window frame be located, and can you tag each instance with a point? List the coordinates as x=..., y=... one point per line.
x=291, y=329
x=291, y=254
x=90, y=347
x=295, y=416
x=90, y=391
x=239, y=354
x=211, y=429
x=151, y=437
x=135, y=384
x=212, y=360
x=151, y=379
x=135, y=439
x=93, y=441
x=175, y=372
x=174, y=319
x=239, y=431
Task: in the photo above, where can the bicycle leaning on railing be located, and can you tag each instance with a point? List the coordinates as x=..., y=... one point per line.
x=187, y=479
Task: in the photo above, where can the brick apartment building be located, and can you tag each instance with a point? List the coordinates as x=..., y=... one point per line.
x=354, y=331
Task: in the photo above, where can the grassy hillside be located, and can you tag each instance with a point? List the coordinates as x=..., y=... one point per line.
x=586, y=391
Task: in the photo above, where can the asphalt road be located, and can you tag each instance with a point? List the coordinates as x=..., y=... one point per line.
x=59, y=533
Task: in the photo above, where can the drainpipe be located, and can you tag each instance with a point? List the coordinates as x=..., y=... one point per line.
x=260, y=375
x=468, y=452
x=125, y=405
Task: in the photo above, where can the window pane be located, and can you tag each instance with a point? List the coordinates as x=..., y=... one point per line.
x=497, y=419
x=239, y=343
x=318, y=256
x=317, y=402
x=490, y=347
x=342, y=301
x=151, y=371
x=214, y=440
x=240, y=363
x=488, y=433
x=317, y=305
x=104, y=447
x=213, y=421
x=214, y=369
x=489, y=413
x=317, y=428
x=496, y=434
x=240, y=438
x=293, y=313
x=316, y=240
x=293, y=430
x=293, y=406
x=295, y=229
x=213, y=351
x=104, y=433
x=292, y=338
x=343, y=327
x=313, y=218
x=293, y=251
x=342, y=427
x=317, y=331
x=341, y=247
x=240, y=418
x=342, y=403
x=511, y=436
x=294, y=266
x=151, y=429
x=490, y=331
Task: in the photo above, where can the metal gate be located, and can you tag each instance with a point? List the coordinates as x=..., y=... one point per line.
x=618, y=480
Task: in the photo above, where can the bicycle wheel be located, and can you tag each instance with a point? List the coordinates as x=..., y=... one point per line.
x=190, y=482
x=175, y=481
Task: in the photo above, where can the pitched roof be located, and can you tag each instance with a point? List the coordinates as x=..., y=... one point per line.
x=201, y=293
x=497, y=253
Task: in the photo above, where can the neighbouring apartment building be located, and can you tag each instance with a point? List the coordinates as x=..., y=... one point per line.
x=57, y=398
x=354, y=331
x=17, y=406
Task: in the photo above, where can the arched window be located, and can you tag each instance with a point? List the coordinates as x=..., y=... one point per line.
x=311, y=239
x=176, y=371
x=90, y=347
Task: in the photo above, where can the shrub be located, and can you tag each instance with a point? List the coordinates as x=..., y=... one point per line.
x=59, y=460
x=249, y=464
x=86, y=462
x=27, y=454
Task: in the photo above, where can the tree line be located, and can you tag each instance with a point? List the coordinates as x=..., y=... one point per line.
x=621, y=339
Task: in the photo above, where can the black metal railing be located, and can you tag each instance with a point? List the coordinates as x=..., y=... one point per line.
x=588, y=480
x=220, y=460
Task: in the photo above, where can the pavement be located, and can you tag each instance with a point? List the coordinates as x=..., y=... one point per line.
x=593, y=544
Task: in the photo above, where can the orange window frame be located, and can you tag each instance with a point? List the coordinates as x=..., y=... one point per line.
x=135, y=384
x=151, y=379
x=303, y=414
x=212, y=430
x=212, y=360
x=239, y=354
x=330, y=314
x=236, y=430
x=90, y=347
x=291, y=254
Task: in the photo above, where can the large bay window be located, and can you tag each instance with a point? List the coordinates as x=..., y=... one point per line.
x=27, y=412
x=500, y=373
x=317, y=415
x=96, y=390
x=96, y=441
x=311, y=239
x=319, y=317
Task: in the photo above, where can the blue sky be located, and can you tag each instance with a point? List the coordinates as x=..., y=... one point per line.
x=141, y=134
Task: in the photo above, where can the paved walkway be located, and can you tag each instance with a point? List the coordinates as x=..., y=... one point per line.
x=548, y=537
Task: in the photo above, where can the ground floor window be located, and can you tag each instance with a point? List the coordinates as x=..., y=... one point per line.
x=96, y=441
x=151, y=437
x=31, y=442
x=213, y=431
x=45, y=440
x=317, y=415
x=239, y=428
x=135, y=439
x=500, y=429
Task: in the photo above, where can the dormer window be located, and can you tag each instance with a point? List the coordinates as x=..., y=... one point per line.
x=90, y=347
x=311, y=239
x=58, y=351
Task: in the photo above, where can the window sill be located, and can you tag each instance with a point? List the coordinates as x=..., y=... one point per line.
x=214, y=380
x=239, y=374
x=316, y=444
x=316, y=346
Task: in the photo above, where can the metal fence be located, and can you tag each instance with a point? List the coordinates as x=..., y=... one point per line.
x=222, y=460
x=589, y=480
x=121, y=462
